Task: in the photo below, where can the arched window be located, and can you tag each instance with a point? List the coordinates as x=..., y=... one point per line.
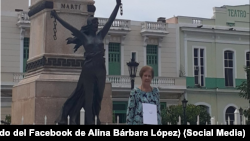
x=230, y=113
x=206, y=107
x=228, y=66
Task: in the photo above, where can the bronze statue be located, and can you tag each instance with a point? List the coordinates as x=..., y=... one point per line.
x=90, y=87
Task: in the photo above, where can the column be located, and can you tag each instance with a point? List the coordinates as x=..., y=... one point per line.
x=159, y=55
x=122, y=53
x=185, y=52
x=145, y=49
x=22, y=33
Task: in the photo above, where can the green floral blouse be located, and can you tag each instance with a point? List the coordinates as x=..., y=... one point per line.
x=134, y=109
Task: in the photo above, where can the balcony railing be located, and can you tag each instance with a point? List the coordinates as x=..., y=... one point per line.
x=163, y=81
x=11, y=77
x=154, y=26
x=124, y=81
x=116, y=81
x=124, y=24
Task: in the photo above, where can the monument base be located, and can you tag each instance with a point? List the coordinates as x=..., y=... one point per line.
x=35, y=97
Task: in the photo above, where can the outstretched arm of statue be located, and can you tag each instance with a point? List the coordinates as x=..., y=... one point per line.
x=112, y=17
x=74, y=31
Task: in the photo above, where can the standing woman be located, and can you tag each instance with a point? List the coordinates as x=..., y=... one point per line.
x=90, y=87
x=143, y=94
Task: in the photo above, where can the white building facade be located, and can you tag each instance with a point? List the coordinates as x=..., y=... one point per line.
x=14, y=48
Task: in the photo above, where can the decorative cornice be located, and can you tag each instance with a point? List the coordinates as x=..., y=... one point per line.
x=154, y=33
x=117, y=31
x=23, y=20
x=54, y=62
x=216, y=31
x=41, y=6
x=145, y=41
x=50, y=5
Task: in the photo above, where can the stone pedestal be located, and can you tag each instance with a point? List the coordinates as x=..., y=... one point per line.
x=38, y=97
x=106, y=114
x=53, y=69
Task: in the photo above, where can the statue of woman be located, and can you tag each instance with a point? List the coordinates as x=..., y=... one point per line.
x=90, y=87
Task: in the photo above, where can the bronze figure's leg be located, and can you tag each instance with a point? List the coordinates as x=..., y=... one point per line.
x=73, y=103
x=99, y=89
x=88, y=82
x=69, y=106
x=77, y=106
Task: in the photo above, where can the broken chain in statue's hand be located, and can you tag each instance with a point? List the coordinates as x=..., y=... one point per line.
x=121, y=9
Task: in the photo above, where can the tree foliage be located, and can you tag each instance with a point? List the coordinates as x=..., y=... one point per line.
x=245, y=92
x=8, y=118
x=171, y=114
x=247, y=114
x=243, y=86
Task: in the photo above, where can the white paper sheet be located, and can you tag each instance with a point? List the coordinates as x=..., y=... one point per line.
x=149, y=113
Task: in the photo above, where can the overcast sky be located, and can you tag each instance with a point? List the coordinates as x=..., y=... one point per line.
x=150, y=10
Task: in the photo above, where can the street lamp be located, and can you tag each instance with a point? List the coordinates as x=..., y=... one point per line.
x=184, y=104
x=132, y=68
x=241, y=113
x=248, y=84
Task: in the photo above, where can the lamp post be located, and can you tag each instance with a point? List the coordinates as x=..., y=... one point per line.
x=248, y=84
x=132, y=68
x=184, y=104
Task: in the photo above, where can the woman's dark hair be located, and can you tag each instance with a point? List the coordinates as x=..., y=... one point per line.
x=85, y=30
